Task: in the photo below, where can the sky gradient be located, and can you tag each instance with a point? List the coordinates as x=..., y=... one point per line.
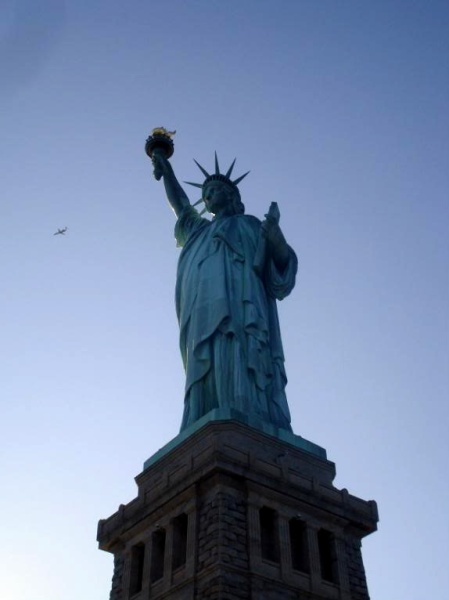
x=340, y=111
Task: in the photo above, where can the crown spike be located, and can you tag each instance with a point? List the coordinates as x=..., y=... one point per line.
x=228, y=174
x=205, y=173
x=198, y=201
x=198, y=185
x=217, y=168
x=239, y=179
x=217, y=176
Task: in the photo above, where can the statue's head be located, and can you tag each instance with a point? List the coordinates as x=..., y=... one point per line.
x=219, y=192
x=221, y=198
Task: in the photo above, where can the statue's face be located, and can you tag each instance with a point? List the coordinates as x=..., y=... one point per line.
x=218, y=198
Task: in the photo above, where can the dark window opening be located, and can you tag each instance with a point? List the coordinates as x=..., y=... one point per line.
x=179, y=541
x=298, y=545
x=328, y=558
x=157, y=555
x=269, y=536
x=136, y=574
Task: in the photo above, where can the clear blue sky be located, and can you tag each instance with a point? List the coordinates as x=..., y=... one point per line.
x=340, y=110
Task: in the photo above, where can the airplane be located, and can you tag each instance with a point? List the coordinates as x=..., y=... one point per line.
x=60, y=231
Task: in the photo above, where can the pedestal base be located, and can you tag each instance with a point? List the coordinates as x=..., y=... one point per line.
x=229, y=511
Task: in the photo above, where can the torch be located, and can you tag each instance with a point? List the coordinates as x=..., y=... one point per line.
x=160, y=140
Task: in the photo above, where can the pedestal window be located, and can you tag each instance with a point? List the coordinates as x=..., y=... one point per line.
x=157, y=555
x=269, y=534
x=328, y=558
x=179, y=551
x=299, y=550
x=136, y=572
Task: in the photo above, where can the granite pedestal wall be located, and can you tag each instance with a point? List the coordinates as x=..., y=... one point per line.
x=230, y=512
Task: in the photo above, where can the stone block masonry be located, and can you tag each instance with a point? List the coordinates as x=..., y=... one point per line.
x=232, y=513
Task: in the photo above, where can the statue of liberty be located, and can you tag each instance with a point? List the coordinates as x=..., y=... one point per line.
x=231, y=270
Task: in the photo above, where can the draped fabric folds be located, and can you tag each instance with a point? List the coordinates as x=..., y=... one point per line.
x=229, y=330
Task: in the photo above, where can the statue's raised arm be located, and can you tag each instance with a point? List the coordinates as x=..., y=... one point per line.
x=159, y=147
x=175, y=194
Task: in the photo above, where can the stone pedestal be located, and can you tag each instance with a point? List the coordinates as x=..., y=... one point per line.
x=231, y=512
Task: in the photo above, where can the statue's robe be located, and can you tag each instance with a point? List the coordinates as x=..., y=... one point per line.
x=229, y=330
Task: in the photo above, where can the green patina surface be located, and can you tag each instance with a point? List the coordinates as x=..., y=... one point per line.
x=232, y=270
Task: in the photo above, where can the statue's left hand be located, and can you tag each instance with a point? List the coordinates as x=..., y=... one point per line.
x=273, y=233
x=276, y=243
x=270, y=227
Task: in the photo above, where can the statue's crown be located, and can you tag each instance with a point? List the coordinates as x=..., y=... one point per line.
x=217, y=176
